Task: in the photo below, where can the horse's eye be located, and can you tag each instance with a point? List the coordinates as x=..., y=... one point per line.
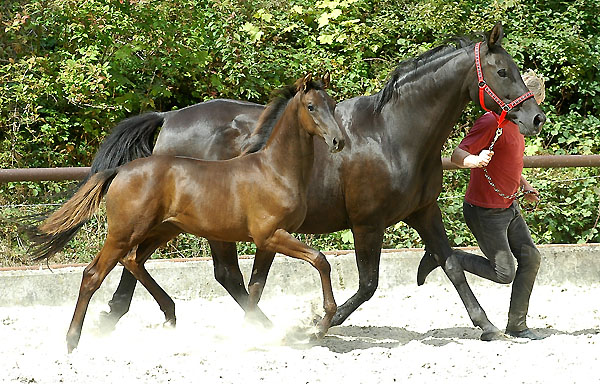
x=502, y=72
x=310, y=107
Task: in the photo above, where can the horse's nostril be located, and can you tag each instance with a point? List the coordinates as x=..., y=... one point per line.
x=335, y=142
x=539, y=120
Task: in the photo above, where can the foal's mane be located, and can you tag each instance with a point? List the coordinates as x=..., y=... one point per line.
x=409, y=68
x=278, y=102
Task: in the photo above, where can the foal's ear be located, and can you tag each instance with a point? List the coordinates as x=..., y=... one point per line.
x=496, y=35
x=306, y=81
x=326, y=80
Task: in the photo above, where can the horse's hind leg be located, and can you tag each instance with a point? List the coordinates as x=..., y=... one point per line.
x=93, y=275
x=428, y=222
x=166, y=304
x=120, y=302
x=228, y=274
x=281, y=241
x=134, y=262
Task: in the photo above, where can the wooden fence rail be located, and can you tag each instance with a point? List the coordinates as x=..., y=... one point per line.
x=78, y=173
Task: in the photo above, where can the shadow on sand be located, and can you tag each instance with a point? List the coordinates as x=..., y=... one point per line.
x=343, y=339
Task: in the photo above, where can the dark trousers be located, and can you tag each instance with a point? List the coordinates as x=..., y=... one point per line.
x=503, y=236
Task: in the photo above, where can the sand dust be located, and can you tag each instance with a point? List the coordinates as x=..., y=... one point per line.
x=421, y=334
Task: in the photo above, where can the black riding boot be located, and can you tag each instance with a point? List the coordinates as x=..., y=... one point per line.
x=527, y=270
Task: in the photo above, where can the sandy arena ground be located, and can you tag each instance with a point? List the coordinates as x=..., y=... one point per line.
x=416, y=334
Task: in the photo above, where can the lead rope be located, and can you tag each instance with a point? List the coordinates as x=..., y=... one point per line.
x=519, y=193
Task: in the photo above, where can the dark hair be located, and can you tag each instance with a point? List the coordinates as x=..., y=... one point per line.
x=407, y=68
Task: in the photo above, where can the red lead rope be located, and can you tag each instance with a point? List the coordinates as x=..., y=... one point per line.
x=483, y=87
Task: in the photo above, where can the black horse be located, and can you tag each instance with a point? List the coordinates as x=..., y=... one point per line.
x=390, y=171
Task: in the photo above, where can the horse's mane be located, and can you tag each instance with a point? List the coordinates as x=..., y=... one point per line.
x=267, y=120
x=407, y=68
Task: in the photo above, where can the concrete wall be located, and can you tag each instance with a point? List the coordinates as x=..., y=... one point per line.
x=561, y=264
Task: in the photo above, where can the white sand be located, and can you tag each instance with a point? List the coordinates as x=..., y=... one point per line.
x=421, y=334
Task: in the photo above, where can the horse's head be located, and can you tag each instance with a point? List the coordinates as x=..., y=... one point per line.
x=316, y=111
x=502, y=75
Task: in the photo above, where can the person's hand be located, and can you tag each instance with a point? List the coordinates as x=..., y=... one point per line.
x=478, y=161
x=531, y=195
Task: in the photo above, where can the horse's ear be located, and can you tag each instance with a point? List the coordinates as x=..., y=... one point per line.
x=306, y=81
x=326, y=80
x=496, y=35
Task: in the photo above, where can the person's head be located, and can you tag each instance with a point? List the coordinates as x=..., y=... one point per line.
x=535, y=84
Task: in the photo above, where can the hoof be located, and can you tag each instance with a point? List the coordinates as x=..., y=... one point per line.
x=317, y=320
x=428, y=263
x=169, y=323
x=72, y=342
x=259, y=318
x=525, y=334
x=106, y=322
x=317, y=335
x=321, y=325
x=493, y=336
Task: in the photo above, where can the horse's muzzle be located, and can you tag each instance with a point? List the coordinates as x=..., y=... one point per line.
x=538, y=122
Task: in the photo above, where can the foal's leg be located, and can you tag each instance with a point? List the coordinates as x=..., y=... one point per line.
x=93, y=275
x=428, y=222
x=281, y=241
x=134, y=262
x=367, y=241
x=121, y=300
x=228, y=274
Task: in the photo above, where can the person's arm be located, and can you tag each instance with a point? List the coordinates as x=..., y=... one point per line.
x=534, y=195
x=477, y=140
x=464, y=159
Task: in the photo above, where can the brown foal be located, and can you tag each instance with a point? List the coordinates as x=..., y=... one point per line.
x=260, y=197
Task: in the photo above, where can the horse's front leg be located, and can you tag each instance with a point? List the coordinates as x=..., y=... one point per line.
x=281, y=241
x=228, y=274
x=428, y=222
x=367, y=243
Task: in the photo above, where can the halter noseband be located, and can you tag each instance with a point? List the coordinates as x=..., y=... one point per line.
x=484, y=87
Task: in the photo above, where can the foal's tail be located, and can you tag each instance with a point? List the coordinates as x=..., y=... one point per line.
x=60, y=227
x=131, y=139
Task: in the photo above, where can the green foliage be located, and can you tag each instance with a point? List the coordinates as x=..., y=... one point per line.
x=70, y=70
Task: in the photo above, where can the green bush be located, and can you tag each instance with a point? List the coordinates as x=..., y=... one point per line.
x=70, y=70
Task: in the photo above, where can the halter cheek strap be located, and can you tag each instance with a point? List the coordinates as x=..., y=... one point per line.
x=483, y=87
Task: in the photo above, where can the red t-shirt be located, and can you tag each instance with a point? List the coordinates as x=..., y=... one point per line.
x=506, y=165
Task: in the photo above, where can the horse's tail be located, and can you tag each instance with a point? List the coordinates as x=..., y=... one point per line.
x=60, y=227
x=131, y=139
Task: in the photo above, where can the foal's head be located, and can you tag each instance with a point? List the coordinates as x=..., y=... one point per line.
x=316, y=111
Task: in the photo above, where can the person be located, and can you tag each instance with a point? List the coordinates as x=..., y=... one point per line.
x=492, y=212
